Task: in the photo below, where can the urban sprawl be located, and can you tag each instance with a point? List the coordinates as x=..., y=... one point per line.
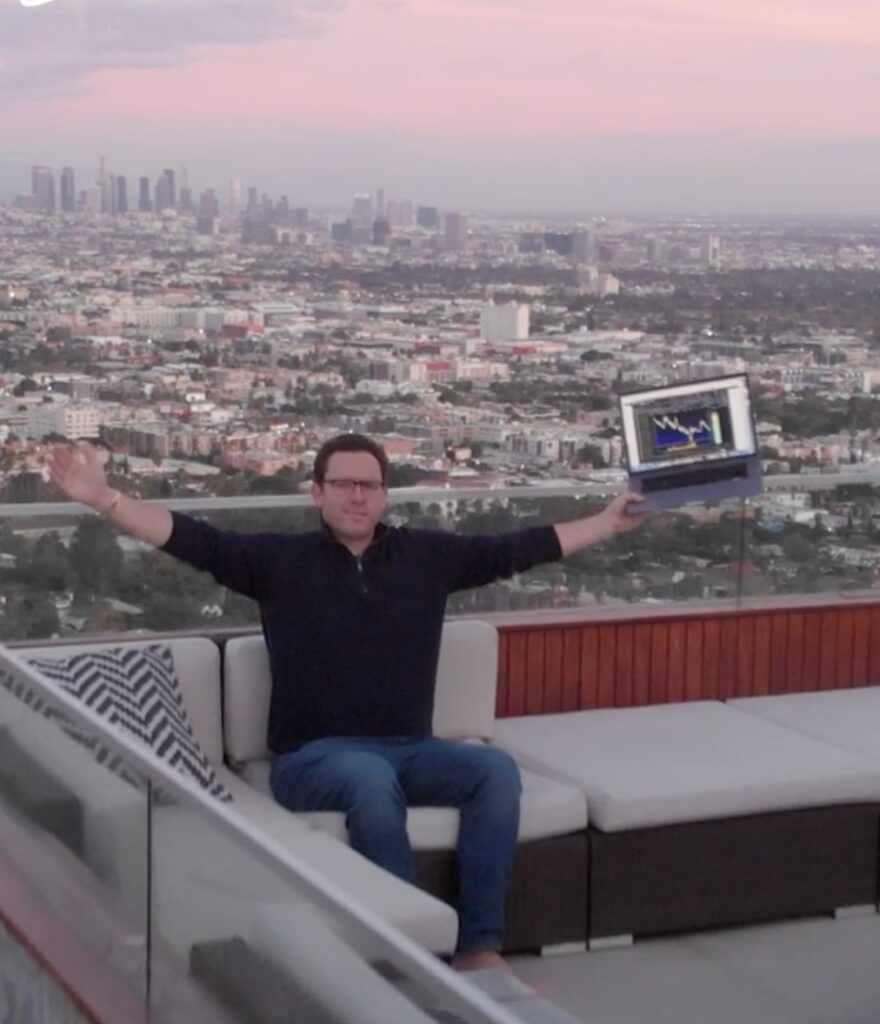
x=210, y=340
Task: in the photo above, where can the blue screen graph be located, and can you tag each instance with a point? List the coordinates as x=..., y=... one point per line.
x=686, y=430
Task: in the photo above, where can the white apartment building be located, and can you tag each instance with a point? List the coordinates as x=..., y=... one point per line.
x=66, y=418
x=509, y=322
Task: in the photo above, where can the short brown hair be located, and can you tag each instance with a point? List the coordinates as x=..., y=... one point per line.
x=348, y=443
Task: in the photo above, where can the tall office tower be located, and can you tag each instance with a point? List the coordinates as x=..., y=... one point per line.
x=233, y=197
x=561, y=242
x=171, y=179
x=585, y=245
x=68, y=190
x=509, y=322
x=428, y=217
x=381, y=213
x=405, y=213
x=282, y=210
x=362, y=210
x=209, y=204
x=92, y=199
x=208, y=214
x=185, y=202
x=710, y=250
x=145, y=199
x=108, y=195
x=160, y=194
x=121, y=193
x=43, y=189
x=252, y=204
x=300, y=217
x=103, y=185
x=381, y=232
x=455, y=232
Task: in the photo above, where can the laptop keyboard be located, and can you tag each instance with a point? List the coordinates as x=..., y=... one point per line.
x=694, y=478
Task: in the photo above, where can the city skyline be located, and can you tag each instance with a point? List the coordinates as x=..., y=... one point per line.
x=650, y=107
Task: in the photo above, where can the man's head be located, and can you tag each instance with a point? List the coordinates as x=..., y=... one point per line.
x=349, y=487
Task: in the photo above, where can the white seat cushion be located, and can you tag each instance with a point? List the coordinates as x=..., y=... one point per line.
x=197, y=666
x=849, y=719
x=649, y=766
x=548, y=808
x=261, y=810
x=207, y=887
x=464, y=705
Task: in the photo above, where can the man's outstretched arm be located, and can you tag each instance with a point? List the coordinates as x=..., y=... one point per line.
x=614, y=518
x=79, y=474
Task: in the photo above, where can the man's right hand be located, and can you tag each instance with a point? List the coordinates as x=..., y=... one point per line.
x=79, y=473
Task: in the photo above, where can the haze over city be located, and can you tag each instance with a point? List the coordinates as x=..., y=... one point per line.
x=665, y=106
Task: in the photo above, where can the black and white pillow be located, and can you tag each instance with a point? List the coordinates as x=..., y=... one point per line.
x=136, y=690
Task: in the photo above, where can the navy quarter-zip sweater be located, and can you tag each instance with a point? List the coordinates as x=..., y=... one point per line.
x=353, y=642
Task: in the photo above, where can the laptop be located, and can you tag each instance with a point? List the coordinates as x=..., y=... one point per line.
x=691, y=442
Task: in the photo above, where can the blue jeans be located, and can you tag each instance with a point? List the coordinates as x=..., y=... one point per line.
x=374, y=780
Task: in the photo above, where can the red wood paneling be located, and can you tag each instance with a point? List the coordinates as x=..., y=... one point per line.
x=760, y=683
x=694, y=672
x=659, y=664
x=535, y=672
x=607, y=671
x=779, y=626
x=844, y=647
x=745, y=658
x=728, y=658
x=794, y=653
x=828, y=650
x=812, y=646
x=516, y=667
x=589, y=668
x=642, y=663
x=676, y=661
x=874, y=648
x=691, y=656
x=861, y=643
x=623, y=691
x=711, y=676
x=571, y=670
x=553, y=670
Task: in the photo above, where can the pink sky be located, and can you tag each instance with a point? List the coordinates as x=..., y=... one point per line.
x=440, y=80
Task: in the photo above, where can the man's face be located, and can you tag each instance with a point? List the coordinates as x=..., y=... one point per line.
x=352, y=497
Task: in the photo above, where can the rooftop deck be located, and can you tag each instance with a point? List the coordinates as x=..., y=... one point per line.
x=809, y=971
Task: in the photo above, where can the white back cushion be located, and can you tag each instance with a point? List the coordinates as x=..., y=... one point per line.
x=467, y=679
x=247, y=690
x=197, y=665
x=464, y=705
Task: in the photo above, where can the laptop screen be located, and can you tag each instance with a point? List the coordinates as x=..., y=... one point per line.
x=688, y=424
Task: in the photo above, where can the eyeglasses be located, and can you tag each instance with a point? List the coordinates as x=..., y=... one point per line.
x=348, y=486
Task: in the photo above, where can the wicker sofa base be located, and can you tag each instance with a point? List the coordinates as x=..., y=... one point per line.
x=732, y=871
x=547, y=897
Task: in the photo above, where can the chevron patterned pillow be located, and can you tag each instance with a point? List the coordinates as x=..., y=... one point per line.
x=136, y=690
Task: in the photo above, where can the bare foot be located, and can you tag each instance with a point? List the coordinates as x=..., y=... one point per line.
x=478, y=960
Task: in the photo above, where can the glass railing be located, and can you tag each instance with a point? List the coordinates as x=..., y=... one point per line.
x=66, y=573
x=178, y=908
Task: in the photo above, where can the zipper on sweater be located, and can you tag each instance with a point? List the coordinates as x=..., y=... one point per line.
x=361, y=578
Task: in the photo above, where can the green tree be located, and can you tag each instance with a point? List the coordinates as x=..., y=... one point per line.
x=95, y=557
x=47, y=567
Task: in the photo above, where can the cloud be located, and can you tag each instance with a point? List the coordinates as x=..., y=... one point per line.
x=49, y=50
